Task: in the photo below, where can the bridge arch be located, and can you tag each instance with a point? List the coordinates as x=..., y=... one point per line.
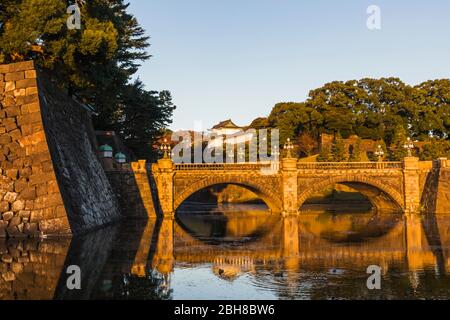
x=265, y=192
x=391, y=192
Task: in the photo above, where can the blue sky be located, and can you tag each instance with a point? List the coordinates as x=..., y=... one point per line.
x=237, y=58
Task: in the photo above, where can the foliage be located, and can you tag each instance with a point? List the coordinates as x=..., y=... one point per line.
x=325, y=155
x=95, y=63
x=355, y=154
x=338, y=153
x=371, y=109
x=397, y=151
x=306, y=144
x=436, y=149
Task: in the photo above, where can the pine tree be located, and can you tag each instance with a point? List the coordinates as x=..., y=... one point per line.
x=356, y=152
x=325, y=155
x=397, y=152
x=338, y=149
x=95, y=63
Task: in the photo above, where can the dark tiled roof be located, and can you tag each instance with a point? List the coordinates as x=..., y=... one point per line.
x=227, y=124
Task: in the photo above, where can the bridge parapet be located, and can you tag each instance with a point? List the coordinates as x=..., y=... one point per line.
x=350, y=165
x=225, y=166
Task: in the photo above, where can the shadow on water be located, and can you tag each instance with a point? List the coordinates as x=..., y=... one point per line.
x=242, y=252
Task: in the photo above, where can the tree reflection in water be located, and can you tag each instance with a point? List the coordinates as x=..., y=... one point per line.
x=152, y=286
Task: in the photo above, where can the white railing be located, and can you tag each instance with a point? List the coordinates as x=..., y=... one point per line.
x=350, y=165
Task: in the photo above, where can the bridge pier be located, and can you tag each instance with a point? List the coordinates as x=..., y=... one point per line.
x=289, y=187
x=164, y=172
x=411, y=184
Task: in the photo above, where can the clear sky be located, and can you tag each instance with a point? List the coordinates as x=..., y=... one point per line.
x=237, y=58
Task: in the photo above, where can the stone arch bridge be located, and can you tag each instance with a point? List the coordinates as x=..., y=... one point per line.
x=409, y=185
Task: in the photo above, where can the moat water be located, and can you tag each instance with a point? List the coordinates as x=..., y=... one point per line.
x=239, y=252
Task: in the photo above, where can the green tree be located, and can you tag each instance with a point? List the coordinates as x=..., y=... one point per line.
x=325, y=155
x=95, y=63
x=142, y=116
x=397, y=152
x=435, y=149
x=355, y=155
x=306, y=144
x=433, y=113
x=338, y=153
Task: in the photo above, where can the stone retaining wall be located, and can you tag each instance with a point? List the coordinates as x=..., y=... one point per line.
x=51, y=181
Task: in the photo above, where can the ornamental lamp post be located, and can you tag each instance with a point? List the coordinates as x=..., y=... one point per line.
x=120, y=158
x=166, y=148
x=409, y=145
x=379, y=153
x=288, y=146
x=106, y=151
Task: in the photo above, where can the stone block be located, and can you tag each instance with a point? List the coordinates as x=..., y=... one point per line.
x=31, y=228
x=20, y=185
x=30, y=74
x=27, y=99
x=15, y=221
x=28, y=194
x=6, y=216
x=12, y=173
x=15, y=134
x=47, y=166
x=30, y=118
x=18, y=205
x=60, y=212
x=52, y=187
x=14, y=76
x=10, y=126
x=58, y=225
x=6, y=258
x=19, y=92
x=10, y=86
x=26, y=129
x=5, y=139
x=4, y=68
x=16, y=267
x=25, y=172
x=31, y=90
x=9, y=101
x=25, y=214
x=26, y=83
x=4, y=206
x=36, y=179
x=30, y=108
x=10, y=197
x=36, y=215
x=21, y=66
x=41, y=189
x=12, y=112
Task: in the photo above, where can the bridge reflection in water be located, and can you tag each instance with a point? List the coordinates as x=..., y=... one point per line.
x=234, y=254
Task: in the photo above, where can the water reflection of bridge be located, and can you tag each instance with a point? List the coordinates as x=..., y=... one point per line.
x=111, y=258
x=305, y=241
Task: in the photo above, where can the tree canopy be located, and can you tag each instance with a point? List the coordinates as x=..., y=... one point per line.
x=96, y=63
x=379, y=109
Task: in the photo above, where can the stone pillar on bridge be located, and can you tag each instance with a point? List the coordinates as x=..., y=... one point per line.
x=164, y=172
x=289, y=186
x=411, y=180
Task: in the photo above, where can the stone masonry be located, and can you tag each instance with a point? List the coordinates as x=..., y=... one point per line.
x=46, y=186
